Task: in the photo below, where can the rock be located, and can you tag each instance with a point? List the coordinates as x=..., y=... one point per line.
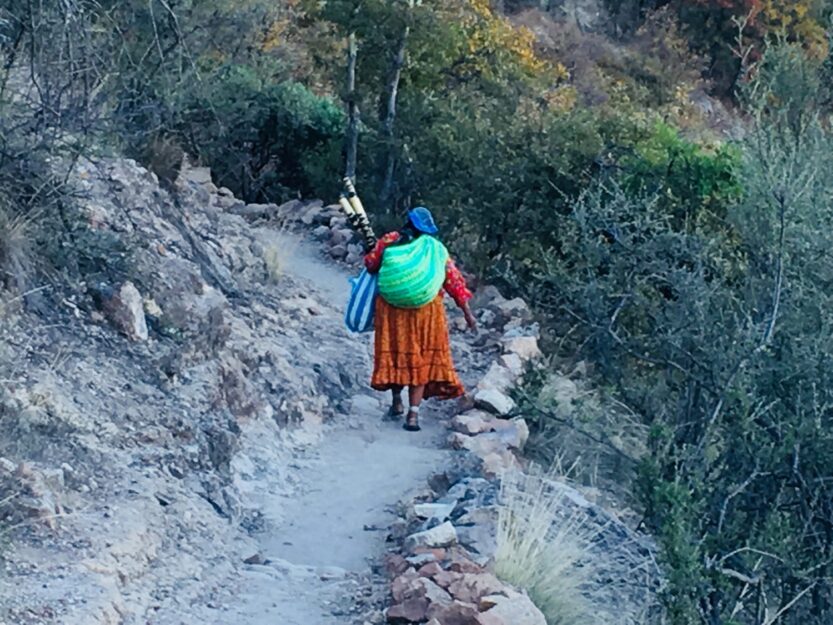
x=432, y=591
x=497, y=377
x=126, y=310
x=431, y=570
x=473, y=422
x=511, y=434
x=404, y=586
x=480, y=446
x=477, y=532
x=321, y=233
x=472, y=586
x=487, y=317
x=198, y=175
x=444, y=578
x=438, y=553
x=421, y=559
x=439, y=511
x=256, y=559
x=494, y=401
x=496, y=464
x=454, y=613
x=342, y=236
x=441, y=536
x=462, y=563
x=313, y=213
x=525, y=347
x=409, y=611
x=395, y=564
x=338, y=252
x=513, y=609
x=488, y=296
x=515, y=309
x=513, y=362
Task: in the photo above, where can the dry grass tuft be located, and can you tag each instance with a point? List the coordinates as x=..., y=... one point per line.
x=543, y=544
x=16, y=256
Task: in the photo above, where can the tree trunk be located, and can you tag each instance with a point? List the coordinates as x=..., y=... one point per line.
x=390, y=116
x=352, y=135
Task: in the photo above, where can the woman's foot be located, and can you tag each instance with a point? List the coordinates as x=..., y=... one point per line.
x=412, y=421
x=397, y=408
x=395, y=413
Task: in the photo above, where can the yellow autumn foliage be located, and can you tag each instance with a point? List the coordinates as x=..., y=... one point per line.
x=799, y=20
x=494, y=41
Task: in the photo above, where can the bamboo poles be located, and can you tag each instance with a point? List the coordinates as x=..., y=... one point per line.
x=356, y=215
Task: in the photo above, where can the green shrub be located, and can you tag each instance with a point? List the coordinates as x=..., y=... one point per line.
x=719, y=338
x=266, y=142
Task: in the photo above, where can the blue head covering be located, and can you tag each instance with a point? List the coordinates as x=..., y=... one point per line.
x=422, y=219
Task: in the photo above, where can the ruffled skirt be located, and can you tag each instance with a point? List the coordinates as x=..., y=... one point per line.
x=412, y=348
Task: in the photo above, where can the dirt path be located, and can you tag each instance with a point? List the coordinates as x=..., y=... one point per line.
x=325, y=536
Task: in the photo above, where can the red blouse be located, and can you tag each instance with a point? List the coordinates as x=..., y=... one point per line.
x=455, y=283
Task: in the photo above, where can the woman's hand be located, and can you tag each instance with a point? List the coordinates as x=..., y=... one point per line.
x=470, y=319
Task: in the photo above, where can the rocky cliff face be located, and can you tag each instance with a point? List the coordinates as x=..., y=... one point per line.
x=142, y=417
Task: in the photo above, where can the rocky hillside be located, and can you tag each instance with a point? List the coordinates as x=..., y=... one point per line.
x=141, y=420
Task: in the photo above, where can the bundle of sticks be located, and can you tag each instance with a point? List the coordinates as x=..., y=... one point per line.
x=356, y=215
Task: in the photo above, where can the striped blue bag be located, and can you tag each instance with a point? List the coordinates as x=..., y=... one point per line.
x=362, y=304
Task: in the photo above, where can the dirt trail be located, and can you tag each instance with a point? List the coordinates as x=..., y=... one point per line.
x=324, y=535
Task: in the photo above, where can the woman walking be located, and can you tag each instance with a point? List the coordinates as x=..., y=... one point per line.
x=412, y=347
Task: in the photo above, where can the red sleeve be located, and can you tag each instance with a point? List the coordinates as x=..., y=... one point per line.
x=373, y=260
x=455, y=284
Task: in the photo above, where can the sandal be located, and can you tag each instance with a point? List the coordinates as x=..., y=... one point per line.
x=412, y=421
x=393, y=414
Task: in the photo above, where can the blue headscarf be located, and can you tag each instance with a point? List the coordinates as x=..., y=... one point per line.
x=422, y=220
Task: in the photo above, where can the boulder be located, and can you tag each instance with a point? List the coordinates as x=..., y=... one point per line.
x=498, y=463
x=494, y=401
x=127, y=312
x=341, y=236
x=513, y=363
x=514, y=309
x=497, y=377
x=430, y=570
x=454, y=613
x=405, y=586
x=444, y=578
x=409, y=611
x=313, y=213
x=471, y=587
x=338, y=252
x=487, y=297
x=441, y=536
x=473, y=422
x=510, y=608
x=321, y=233
x=525, y=347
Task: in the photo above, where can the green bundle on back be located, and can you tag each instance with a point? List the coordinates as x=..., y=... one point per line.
x=413, y=274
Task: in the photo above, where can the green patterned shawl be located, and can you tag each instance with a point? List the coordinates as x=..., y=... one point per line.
x=413, y=274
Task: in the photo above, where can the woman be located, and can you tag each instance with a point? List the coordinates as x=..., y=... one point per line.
x=412, y=346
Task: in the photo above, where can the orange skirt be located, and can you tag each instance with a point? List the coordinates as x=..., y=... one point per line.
x=412, y=348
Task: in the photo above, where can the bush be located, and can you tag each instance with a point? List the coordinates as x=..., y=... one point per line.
x=267, y=142
x=717, y=336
